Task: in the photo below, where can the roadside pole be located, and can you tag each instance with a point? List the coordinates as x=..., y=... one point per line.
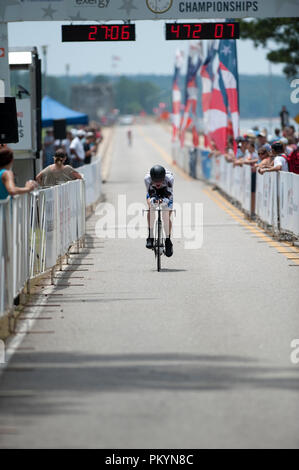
x=4, y=67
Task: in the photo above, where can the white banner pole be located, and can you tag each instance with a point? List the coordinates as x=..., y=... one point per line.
x=4, y=67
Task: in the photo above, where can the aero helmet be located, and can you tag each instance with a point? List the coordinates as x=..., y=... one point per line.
x=157, y=173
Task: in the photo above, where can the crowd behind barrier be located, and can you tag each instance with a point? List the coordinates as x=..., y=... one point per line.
x=277, y=193
x=37, y=228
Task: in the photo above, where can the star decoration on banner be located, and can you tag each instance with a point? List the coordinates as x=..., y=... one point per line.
x=78, y=17
x=49, y=12
x=226, y=50
x=280, y=4
x=128, y=5
x=8, y=3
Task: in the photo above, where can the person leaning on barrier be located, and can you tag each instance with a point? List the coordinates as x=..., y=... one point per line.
x=214, y=151
x=7, y=182
x=265, y=157
x=89, y=147
x=242, y=150
x=280, y=162
x=57, y=173
x=252, y=160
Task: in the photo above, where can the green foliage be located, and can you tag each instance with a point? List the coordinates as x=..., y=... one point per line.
x=260, y=95
x=102, y=79
x=283, y=36
x=133, y=96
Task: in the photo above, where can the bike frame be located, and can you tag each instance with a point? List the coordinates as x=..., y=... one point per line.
x=158, y=234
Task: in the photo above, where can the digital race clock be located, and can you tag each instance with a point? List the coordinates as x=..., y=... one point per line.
x=89, y=33
x=181, y=31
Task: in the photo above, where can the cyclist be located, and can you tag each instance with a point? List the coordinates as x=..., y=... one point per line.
x=129, y=134
x=159, y=185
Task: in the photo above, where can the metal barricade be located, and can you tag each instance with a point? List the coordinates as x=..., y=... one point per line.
x=276, y=196
x=35, y=230
x=6, y=255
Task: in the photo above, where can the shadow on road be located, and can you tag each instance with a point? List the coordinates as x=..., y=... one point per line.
x=60, y=373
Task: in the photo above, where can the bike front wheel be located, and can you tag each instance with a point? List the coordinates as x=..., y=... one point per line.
x=159, y=245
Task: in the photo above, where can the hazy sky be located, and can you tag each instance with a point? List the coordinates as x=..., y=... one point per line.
x=151, y=53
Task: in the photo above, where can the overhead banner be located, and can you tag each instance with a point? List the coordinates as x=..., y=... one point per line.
x=105, y=10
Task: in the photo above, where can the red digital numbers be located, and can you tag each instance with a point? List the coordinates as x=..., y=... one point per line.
x=106, y=29
x=113, y=32
x=175, y=29
x=93, y=32
x=219, y=31
x=125, y=33
x=197, y=31
x=103, y=32
x=187, y=30
x=232, y=26
x=181, y=31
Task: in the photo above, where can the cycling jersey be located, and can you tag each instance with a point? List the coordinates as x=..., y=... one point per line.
x=164, y=191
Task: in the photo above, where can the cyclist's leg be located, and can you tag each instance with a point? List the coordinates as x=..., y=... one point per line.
x=167, y=207
x=150, y=221
x=167, y=223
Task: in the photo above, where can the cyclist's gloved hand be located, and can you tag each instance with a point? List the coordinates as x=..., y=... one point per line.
x=154, y=201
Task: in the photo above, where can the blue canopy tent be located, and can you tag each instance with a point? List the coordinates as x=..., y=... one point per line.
x=52, y=110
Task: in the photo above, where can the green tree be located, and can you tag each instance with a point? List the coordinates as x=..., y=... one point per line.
x=101, y=79
x=283, y=36
x=132, y=96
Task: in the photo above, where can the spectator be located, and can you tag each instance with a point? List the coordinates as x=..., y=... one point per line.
x=291, y=146
x=88, y=147
x=65, y=145
x=49, y=148
x=284, y=141
x=252, y=159
x=265, y=157
x=229, y=151
x=241, y=150
x=280, y=161
x=77, y=150
x=193, y=154
x=93, y=142
x=292, y=132
x=7, y=183
x=284, y=117
x=261, y=139
x=58, y=172
x=214, y=151
x=99, y=135
x=277, y=135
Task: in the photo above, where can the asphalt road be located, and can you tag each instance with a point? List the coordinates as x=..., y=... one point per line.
x=197, y=356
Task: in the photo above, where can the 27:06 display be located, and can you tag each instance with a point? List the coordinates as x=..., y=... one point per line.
x=88, y=33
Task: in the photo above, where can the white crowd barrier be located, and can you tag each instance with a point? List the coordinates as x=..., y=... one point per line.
x=93, y=178
x=276, y=197
x=58, y=220
x=14, y=248
x=37, y=228
x=266, y=199
x=288, y=184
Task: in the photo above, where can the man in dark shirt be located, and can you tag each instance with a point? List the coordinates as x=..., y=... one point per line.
x=284, y=117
